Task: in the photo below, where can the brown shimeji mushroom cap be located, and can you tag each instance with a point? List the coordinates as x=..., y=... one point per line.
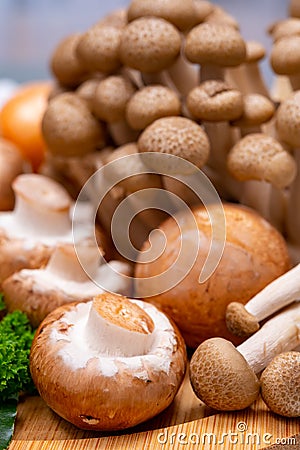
x=257, y=109
x=203, y=9
x=261, y=157
x=283, y=28
x=98, y=48
x=151, y=103
x=180, y=13
x=65, y=64
x=149, y=44
x=288, y=120
x=221, y=377
x=215, y=100
x=69, y=128
x=280, y=383
x=216, y=44
x=285, y=55
x=176, y=136
x=255, y=51
x=11, y=165
x=111, y=97
x=294, y=8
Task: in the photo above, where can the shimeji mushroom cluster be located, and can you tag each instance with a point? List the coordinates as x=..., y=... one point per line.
x=172, y=77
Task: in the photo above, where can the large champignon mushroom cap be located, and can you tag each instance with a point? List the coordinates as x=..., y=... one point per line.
x=69, y=128
x=11, y=165
x=181, y=14
x=221, y=377
x=280, y=383
x=261, y=157
x=111, y=97
x=176, y=136
x=216, y=44
x=215, y=100
x=149, y=44
x=125, y=358
x=151, y=103
x=98, y=48
x=65, y=64
x=65, y=279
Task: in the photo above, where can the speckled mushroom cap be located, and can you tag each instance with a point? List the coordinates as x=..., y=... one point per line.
x=69, y=128
x=280, y=383
x=111, y=98
x=221, y=377
x=179, y=13
x=261, y=157
x=88, y=88
x=98, y=48
x=98, y=388
x=149, y=44
x=294, y=8
x=255, y=51
x=210, y=43
x=177, y=136
x=215, y=100
x=203, y=8
x=257, y=109
x=65, y=64
x=285, y=55
x=287, y=27
x=288, y=120
x=151, y=103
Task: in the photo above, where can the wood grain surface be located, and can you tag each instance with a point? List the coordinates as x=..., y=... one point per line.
x=187, y=423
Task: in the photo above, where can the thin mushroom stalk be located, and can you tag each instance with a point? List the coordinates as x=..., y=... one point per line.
x=243, y=320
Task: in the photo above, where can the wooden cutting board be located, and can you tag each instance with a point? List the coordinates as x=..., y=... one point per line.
x=187, y=423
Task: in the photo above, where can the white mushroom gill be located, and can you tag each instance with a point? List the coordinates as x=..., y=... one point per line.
x=77, y=334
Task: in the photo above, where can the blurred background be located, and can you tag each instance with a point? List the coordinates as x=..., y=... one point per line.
x=30, y=29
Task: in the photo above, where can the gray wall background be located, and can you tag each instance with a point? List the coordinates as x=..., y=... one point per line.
x=30, y=29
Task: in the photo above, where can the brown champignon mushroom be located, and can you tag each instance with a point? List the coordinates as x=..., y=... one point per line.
x=288, y=129
x=248, y=77
x=176, y=136
x=224, y=377
x=109, y=104
x=40, y=220
x=11, y=165
x=216, y=104
x=127, y=362
x=294, y=8
x=254, y=252
x=280, y=384
x=243, y=320
x=71, y=274
x=261, y=157
x=151, y=103
x=214, y=47
x=98, y=49
x=64, y=63
x=181, y=15
x=285, y=58
x=69, y=128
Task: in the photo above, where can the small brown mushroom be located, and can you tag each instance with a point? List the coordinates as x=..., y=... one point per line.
x=286, y=27
x=224, y=377
x=214, y=47
x=88, y=88
x=294, y=8
x=65, y=64
x=69, y=128
x=243, y=320
x=125, y=358
x=280, y=383
x=219, y=16
x=11, y=165
x=180, y=14
x=203, y=8
x=109, y=104
x=176, y=136
x=71, y=274
x=285, y=59
x=151, y=103
x=98, y=49
x=257, y=110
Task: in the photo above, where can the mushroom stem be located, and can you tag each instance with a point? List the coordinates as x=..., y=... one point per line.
x=211, y=72
x=117, y=326
x=248, y=79
x=295, y=81
x=279, y=334
x=39, y=207
x=293, y=207
x=71, y=264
